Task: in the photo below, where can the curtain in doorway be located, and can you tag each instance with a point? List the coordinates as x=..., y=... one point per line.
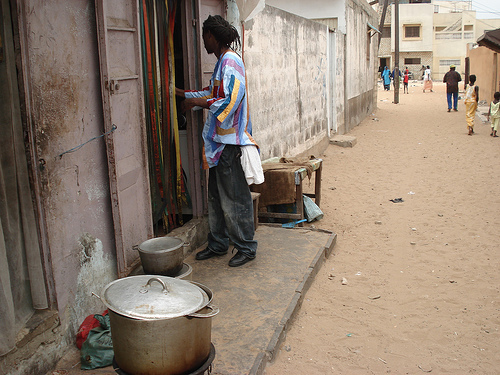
x=22, y=286
x=167, y=179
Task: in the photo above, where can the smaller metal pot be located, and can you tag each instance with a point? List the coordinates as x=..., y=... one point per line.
x=162, y=256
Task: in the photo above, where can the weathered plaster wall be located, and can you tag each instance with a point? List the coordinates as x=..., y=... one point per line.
x=65, y=98
x=413, y=15
x=485, y=64
x=315, y=9
x=340, y=84
x=361, y=63
x=286, y=62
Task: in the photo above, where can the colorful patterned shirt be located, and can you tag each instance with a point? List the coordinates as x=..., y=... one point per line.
x=228, y=121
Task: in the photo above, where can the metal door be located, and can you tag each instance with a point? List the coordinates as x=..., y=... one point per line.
x=123, y=105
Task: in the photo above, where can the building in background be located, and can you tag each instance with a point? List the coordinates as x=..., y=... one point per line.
x=434, y=33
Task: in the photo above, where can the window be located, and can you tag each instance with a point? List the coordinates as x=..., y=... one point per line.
x=386, y=32
x=449, y=62
x=411, y=31
x=413, y=61
x=436, y=8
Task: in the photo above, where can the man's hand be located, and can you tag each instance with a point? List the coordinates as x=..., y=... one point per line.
x=180, y=92
x=188, y=104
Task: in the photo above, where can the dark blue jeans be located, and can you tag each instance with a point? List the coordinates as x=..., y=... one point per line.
x=230, y=207
x=455, y=99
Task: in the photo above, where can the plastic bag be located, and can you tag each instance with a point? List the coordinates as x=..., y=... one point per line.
x=88, y=324
x=97, y=350
x=311, y=210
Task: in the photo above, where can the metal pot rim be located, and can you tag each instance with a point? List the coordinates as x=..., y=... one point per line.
x=160, y=245
x=153, y=297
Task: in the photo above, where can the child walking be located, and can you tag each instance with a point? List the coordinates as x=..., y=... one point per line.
x=494, y=112
x=405, y=81
x=471, y=100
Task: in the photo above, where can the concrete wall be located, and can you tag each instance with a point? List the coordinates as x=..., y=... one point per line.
x=286, y=62
x=453, y=45
x=361, y=63
x=65, y=91
x=485, y=64
x=315, y=9
x=450, y=45
x=414, y=14
x=59, y=50
x=340, y=83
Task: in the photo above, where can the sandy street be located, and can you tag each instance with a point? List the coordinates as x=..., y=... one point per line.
x=421, y=277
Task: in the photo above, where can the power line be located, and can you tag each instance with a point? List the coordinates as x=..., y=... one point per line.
x=485, y=8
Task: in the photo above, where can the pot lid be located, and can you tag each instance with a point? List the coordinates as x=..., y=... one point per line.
x=153, y=297
x=161, y=244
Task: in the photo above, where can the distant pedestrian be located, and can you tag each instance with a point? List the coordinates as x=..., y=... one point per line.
x=494, y=113
x=427, y=79
x=471, y=100
x=394, y=75
x=451, y=78
x=406, y=77
x=386, y=77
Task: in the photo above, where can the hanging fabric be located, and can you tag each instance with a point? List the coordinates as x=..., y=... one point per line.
x=167, y=179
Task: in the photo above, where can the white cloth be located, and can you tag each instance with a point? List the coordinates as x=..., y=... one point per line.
x=252, y=166
x=427, y=75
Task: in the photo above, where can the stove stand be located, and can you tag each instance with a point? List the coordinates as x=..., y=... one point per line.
x=204, y=369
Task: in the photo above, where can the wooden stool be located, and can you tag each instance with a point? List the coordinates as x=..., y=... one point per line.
x=255, y=201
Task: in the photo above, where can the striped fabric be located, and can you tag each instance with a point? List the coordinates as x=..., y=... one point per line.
x=228, y=121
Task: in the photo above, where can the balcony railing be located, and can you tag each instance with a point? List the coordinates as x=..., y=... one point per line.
x=449, y=35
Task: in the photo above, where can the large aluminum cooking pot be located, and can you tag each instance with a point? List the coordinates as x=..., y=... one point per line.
x=159, y=325
x=162, y=255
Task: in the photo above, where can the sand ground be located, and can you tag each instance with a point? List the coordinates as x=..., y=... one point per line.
x=421, y=278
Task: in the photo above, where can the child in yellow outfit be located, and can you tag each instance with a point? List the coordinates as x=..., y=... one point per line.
x=471, y=100
x=494, y=112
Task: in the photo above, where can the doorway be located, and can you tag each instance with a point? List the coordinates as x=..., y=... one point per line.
x=162, y=62
x=174, y=57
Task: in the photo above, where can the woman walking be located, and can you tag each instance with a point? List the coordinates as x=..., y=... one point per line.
x=386, y=77
x=427, y=79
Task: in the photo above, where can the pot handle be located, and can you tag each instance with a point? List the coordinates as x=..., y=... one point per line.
x=215, y=311
x=144, y=289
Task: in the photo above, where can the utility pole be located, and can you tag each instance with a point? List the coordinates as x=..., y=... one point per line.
x=396, y=52
x=382, y=21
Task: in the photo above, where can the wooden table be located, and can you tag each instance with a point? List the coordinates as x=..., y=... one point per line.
x=300, y=175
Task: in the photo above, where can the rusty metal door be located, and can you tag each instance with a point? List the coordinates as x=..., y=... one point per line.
x=123, y=105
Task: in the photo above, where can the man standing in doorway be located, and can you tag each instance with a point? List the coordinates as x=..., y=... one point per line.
x=228, y=126
x=452, y=78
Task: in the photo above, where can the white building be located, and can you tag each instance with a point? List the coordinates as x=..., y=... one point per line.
x=434, y=33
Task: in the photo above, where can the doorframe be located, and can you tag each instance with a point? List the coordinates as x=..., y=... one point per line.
x=193, y=79
x=192, y=74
